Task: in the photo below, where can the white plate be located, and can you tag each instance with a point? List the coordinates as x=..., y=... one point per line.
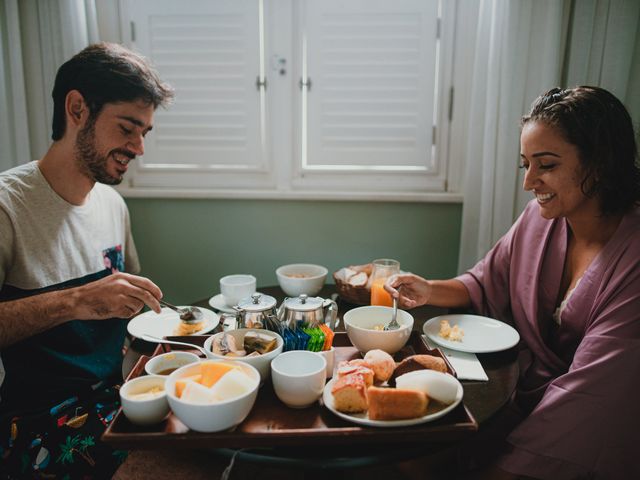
x=481, y=334
x=363, y=418
x=165, y=323
x=218, y=303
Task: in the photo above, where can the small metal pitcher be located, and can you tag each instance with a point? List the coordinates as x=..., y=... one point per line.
x=308, y=311
x=251, y=312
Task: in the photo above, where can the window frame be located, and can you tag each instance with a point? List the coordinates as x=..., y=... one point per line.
x=286, y=180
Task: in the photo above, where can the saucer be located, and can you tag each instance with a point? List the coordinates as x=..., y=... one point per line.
x=218, y=303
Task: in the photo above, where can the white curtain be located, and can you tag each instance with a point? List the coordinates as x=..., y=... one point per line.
x=518, y=56
x=604, y=49
x=13, y=113
x=53, y=31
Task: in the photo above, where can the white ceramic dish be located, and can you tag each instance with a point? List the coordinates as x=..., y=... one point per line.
x=166, y=322
x=214, y=417
x=301, y=278
x=299, y=377
x=217, y=303
x=481, y=334
x=262, y=363
x=144, y=411
x=169, y=361
x=359, y=323
x=363, y=418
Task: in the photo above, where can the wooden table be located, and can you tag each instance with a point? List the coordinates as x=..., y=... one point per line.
x=483, y=399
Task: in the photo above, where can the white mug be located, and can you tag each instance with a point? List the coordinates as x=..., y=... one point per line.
x=298, y=377
x=237, y=287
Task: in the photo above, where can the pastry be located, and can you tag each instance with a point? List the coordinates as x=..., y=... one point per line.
x=350, y=394
x=381, y=363
x=349, y=368
x=396, y=404
x=259, y=342
x=418, y=362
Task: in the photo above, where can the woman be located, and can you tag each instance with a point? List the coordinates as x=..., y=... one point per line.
x=567, y=276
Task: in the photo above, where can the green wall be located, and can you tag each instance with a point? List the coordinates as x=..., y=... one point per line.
x=185, y=246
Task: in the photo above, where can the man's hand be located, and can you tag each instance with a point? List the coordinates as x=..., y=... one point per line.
x=120, y=295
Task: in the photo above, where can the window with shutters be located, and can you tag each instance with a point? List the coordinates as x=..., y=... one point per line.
x=307, y=98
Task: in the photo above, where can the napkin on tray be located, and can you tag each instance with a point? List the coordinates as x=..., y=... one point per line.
x=466, y=365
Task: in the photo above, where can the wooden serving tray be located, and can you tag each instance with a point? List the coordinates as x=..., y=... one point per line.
x=271, y=423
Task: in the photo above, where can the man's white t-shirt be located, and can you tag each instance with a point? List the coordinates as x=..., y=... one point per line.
x=46, y=241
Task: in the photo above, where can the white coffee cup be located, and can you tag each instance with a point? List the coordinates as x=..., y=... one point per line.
x=298, y=377
x=237, y=287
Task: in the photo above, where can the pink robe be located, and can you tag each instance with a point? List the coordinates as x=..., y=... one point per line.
x=583, y=380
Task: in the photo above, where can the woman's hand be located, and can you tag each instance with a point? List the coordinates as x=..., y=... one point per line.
x=410, y=290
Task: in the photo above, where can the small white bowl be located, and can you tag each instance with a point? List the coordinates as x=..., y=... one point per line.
x=299, y=278
x=299, y=377
x=165, y=363
x=360, y=322
x=261, y=363
x=214, y=417
x=144, y=411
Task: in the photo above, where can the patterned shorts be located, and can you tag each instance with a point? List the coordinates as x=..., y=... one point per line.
x=62, y=442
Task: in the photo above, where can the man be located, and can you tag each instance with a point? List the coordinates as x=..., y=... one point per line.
x=65, y=244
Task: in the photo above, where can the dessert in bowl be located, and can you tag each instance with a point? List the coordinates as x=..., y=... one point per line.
x=365, y=328
x=301, y=278
x=212, y=395
x=144, y=399
x=166, y=363
x=230, y=345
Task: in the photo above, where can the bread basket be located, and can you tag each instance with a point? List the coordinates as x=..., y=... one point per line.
x=357, y=295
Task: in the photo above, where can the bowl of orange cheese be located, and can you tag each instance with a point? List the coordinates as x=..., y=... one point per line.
x=212, y=395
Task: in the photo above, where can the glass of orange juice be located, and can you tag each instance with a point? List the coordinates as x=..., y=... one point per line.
x=383, y=268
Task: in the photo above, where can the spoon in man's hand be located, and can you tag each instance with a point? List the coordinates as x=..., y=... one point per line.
x=187, y=314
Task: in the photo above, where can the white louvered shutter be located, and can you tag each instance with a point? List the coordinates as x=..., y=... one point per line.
x=215, y=133
x=367, y=105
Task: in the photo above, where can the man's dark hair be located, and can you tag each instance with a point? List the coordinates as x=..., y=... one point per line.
x=599, y=125
x=106, y=73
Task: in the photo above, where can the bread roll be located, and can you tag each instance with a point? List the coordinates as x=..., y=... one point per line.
x=418, y=362
x=381, y=363
x=350, y=394
x=396, y=404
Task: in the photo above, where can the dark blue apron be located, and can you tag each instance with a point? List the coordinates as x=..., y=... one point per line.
x=71, y=359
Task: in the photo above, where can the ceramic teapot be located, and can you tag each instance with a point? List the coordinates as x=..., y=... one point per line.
x=305, y=310
x=251, y=312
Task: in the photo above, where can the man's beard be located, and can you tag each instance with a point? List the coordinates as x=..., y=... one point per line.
x=90, y=161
